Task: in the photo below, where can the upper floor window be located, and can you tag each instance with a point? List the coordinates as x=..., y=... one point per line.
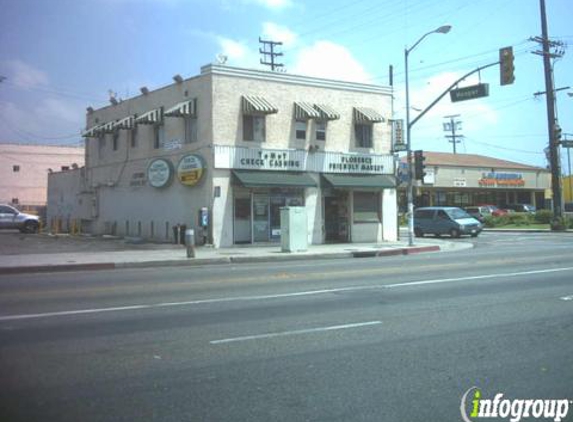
x=321, y=130
x=364, y=120
x=254, y=128
x=300, y=129
x=15, y=168
x=363, y=134
x=191, y=129
x=158, y=136
x=115, y=140
x=133, y=137
x=255, y=110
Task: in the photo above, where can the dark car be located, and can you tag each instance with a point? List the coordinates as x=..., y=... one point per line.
x=445, y=220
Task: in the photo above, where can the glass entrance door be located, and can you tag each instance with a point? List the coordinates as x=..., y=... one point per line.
x=261, y=217
x=242, y=221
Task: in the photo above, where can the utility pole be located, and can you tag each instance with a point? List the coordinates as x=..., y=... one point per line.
x=268, y=52
x=451, y=126
x=552, y=124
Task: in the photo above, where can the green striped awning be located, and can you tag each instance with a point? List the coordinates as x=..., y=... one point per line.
x=258, y=179
x=184, y=109
x=152, y=117
x=257, y=105
x=367, y=115
x=92, y=132
x=326, y=112
x=305, y=111
x=108, y=127
x=348, y=181
x=126, y=123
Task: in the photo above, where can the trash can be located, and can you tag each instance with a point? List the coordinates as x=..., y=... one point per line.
x=294, y=228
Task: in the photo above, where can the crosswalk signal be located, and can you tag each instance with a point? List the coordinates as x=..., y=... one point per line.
x=506, y=67
x=419, y=165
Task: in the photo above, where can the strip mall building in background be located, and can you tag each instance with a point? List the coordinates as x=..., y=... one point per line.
x=467, y=179
x=223, y=151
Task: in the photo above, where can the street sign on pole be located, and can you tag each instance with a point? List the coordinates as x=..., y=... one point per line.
x=469, y=92
x=567, y=144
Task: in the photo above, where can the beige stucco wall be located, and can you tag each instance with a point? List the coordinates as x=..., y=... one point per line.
x=29, y=184
x=447, y=176
x=126, y=207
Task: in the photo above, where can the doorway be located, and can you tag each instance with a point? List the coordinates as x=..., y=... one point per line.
x=335, y=219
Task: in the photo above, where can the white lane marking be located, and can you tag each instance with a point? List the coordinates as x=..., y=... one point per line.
x=295, y=332
x=566, y=298
x=479, y=277
x=276, y=296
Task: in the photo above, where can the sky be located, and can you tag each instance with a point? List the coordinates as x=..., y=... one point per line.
x=58, y=57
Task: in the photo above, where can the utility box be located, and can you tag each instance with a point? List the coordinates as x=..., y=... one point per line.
x=294, y=228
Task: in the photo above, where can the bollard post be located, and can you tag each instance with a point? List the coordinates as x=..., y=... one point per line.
x=190, y=242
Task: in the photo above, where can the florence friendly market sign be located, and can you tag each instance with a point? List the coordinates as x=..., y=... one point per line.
x=229, y=157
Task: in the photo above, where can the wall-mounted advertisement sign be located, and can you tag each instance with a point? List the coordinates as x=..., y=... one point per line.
x=190, y=169
x=495, y=180
x=230, y=157
x=159, y=173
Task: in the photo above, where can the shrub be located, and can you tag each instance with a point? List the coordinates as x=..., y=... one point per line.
x=490, y=221
x=519, y=219
x=543, y=216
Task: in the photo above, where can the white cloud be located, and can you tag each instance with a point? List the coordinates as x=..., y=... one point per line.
x=235, y=50
x=279, y=33
x=24, y=75
x=326, y=59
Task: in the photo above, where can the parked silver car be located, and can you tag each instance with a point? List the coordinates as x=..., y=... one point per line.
x=11, y=218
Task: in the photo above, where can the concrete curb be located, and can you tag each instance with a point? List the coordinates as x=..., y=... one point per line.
x=527, y=231
x=217, y=261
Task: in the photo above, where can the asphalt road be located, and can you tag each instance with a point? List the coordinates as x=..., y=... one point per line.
x=374, y=339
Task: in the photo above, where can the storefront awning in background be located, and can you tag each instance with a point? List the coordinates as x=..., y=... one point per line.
x=125, y=123
x=326, y=112
x=184, y=109
x=92, y=132
x=370, y=181
x=152, y=117
x=258, y=179
x=257, y=105
x=305, y=111
x=367, y=115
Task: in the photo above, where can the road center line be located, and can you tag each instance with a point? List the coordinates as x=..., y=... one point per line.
x=275, y=296
x=295, y=332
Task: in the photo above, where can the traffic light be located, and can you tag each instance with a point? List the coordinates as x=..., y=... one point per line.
x=419, y=166
x=506, y=66
x=556, y=133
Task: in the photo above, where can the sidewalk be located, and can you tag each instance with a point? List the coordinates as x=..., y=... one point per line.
x=177, y=256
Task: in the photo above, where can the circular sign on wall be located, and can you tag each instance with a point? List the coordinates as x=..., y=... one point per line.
x=190, y=169
x=159, y=173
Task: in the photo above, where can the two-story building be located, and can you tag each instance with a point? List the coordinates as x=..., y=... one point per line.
x=225, y=150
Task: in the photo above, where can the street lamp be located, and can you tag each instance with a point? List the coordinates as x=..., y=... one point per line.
x=410, y=193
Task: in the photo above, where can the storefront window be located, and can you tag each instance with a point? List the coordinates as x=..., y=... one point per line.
x=366, y=207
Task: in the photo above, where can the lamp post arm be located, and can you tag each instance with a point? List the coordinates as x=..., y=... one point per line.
x=443, y=94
